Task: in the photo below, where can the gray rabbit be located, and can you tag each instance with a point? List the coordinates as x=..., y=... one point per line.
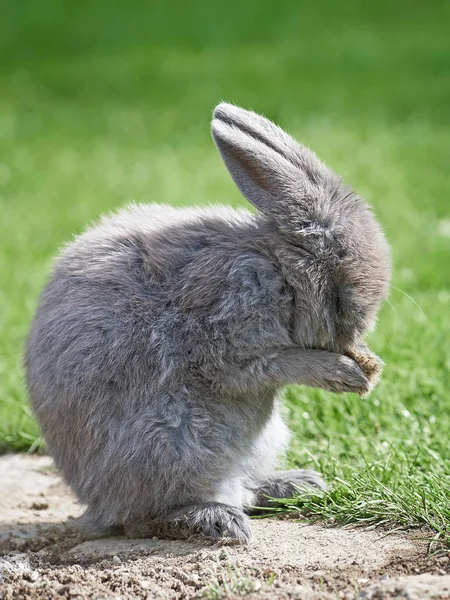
x=164, y=336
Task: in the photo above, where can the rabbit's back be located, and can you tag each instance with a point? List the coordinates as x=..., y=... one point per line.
x=119, y=350
x=111, y=294
x=145, y=293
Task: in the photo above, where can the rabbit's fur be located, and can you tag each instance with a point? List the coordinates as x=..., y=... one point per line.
x=164, y=336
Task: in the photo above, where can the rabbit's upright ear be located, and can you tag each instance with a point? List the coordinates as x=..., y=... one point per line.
x=264, y=161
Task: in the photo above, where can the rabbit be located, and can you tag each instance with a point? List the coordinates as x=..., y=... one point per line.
x=162, y=341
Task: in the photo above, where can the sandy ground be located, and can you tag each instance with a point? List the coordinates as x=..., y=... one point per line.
x=43, y=554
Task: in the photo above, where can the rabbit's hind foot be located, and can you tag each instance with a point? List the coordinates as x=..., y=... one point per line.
x=284, y=484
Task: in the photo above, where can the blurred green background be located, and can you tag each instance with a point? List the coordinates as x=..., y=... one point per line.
x=103, y=102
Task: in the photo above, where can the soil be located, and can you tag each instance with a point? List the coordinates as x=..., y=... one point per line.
x=45, y=554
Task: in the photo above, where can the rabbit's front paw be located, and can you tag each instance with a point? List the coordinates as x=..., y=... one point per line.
x=345, y=375
x=369, y=362
x=213, y=521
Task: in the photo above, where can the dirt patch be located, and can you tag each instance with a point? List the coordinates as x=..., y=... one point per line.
x=43, y=554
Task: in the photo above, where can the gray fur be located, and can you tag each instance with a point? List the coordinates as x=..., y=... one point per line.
x=164, y=336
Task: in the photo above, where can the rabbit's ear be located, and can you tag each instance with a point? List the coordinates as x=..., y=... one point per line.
x=309, y=167
x=261, y=173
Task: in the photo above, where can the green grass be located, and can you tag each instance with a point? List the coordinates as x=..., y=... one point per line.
x=101, y=103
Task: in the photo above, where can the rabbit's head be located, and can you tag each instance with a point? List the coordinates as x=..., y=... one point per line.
x=326, y=240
